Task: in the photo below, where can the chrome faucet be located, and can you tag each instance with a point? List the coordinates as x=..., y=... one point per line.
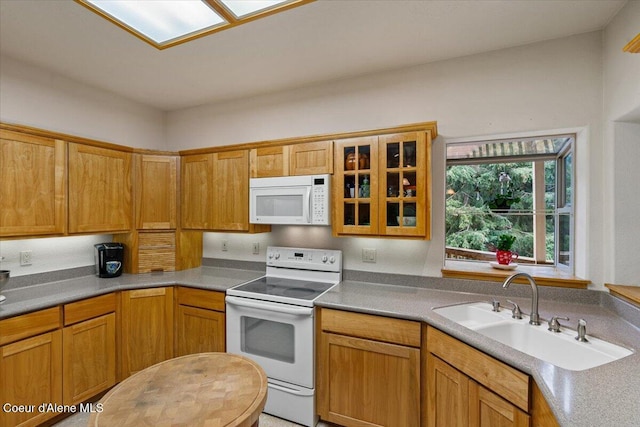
x=535, y=316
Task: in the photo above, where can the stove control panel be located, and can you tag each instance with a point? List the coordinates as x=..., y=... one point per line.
x=304, y=258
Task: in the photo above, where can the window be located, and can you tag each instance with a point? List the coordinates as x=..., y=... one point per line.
x=166, y=23
x=523, y=187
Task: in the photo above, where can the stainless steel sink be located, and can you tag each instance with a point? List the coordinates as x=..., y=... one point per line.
x=560, y=349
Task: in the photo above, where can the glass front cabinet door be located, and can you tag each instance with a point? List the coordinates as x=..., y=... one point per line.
x=381, y=185
x=404, y=184
x=356, y=186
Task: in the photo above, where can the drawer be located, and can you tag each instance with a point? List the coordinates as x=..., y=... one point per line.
x=28, y=325
x=89, y=308
x=387, y=329
x=201, y=298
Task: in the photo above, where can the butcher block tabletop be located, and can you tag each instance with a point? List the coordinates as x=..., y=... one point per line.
x=206, y=389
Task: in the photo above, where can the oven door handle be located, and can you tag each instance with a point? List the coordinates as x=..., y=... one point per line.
x=269, y=306
x=289, y=390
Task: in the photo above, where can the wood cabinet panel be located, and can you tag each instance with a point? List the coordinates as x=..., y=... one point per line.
x=89, y=358
x=269, y=161
x=28, y=325
x=199, y=330
x=99, y=189
x=89, y=308
x=231, y=191
x=311, y=158
x=31, y=374
x=487, y=409
x=156, y=189
x=32, y=185
x=147, y=328
x=200, y=321
x=447, y=395
x=308, y=158
x=368, y=383
x=379, y=328
x=197, y=191
x=504, y=380
x=541, y=414
x=210, y=300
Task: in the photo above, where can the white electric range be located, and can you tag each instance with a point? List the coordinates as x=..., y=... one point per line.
x=271, y=320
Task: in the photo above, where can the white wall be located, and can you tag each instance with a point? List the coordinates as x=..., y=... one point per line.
x=55, y=253
x=627, y=204
x=34, y=97
x=543, y=86
x=621, y=86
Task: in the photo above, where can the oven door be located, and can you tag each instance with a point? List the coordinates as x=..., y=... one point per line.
x=279, y=337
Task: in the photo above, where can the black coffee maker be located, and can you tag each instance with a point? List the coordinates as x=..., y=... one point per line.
x=109, y=259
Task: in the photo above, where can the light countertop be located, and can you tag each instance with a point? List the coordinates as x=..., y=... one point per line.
x=605, y=395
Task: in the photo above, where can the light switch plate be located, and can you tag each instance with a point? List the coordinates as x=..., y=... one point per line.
x=368, y=255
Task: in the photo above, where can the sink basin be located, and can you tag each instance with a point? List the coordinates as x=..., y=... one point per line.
x=560, y=349
x=472, y=315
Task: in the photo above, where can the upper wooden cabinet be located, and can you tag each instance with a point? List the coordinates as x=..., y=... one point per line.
x=156, y=186
x=354, y=182
x=99, y=189
x=230, y=204
x=270, y=161
x=32, y=185
x=196, y=191
x=308, y=158
x=215, y=192
x=311, y=158
x=382, y=185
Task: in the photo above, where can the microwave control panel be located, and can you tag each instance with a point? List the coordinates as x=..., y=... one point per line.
x=320, y=196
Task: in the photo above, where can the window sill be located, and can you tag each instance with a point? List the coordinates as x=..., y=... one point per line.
x=630, y=294
x=544, y=276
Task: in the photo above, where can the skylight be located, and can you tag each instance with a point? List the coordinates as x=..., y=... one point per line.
x=166, y=23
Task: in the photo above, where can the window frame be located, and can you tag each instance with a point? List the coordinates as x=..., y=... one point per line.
x=562, y=207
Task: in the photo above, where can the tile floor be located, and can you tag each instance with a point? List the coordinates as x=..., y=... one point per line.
x=81, y=419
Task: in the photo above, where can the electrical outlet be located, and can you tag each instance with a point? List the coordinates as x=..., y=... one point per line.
x=256, y=248
x=369, y=255
x=25, y=258
x=225, y=245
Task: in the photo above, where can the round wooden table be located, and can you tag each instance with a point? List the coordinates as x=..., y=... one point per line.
x=206, y=389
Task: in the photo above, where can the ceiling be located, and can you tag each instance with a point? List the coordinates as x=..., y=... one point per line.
x=322, y=41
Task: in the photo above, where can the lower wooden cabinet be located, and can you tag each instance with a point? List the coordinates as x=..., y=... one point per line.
x=147, y=328
x=466, y=387
x=30, y=375
x=200, y=321
x=89, y=348
x=368, y=370
x=455, y=400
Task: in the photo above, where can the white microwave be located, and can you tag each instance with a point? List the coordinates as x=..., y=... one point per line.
x=296, y=200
